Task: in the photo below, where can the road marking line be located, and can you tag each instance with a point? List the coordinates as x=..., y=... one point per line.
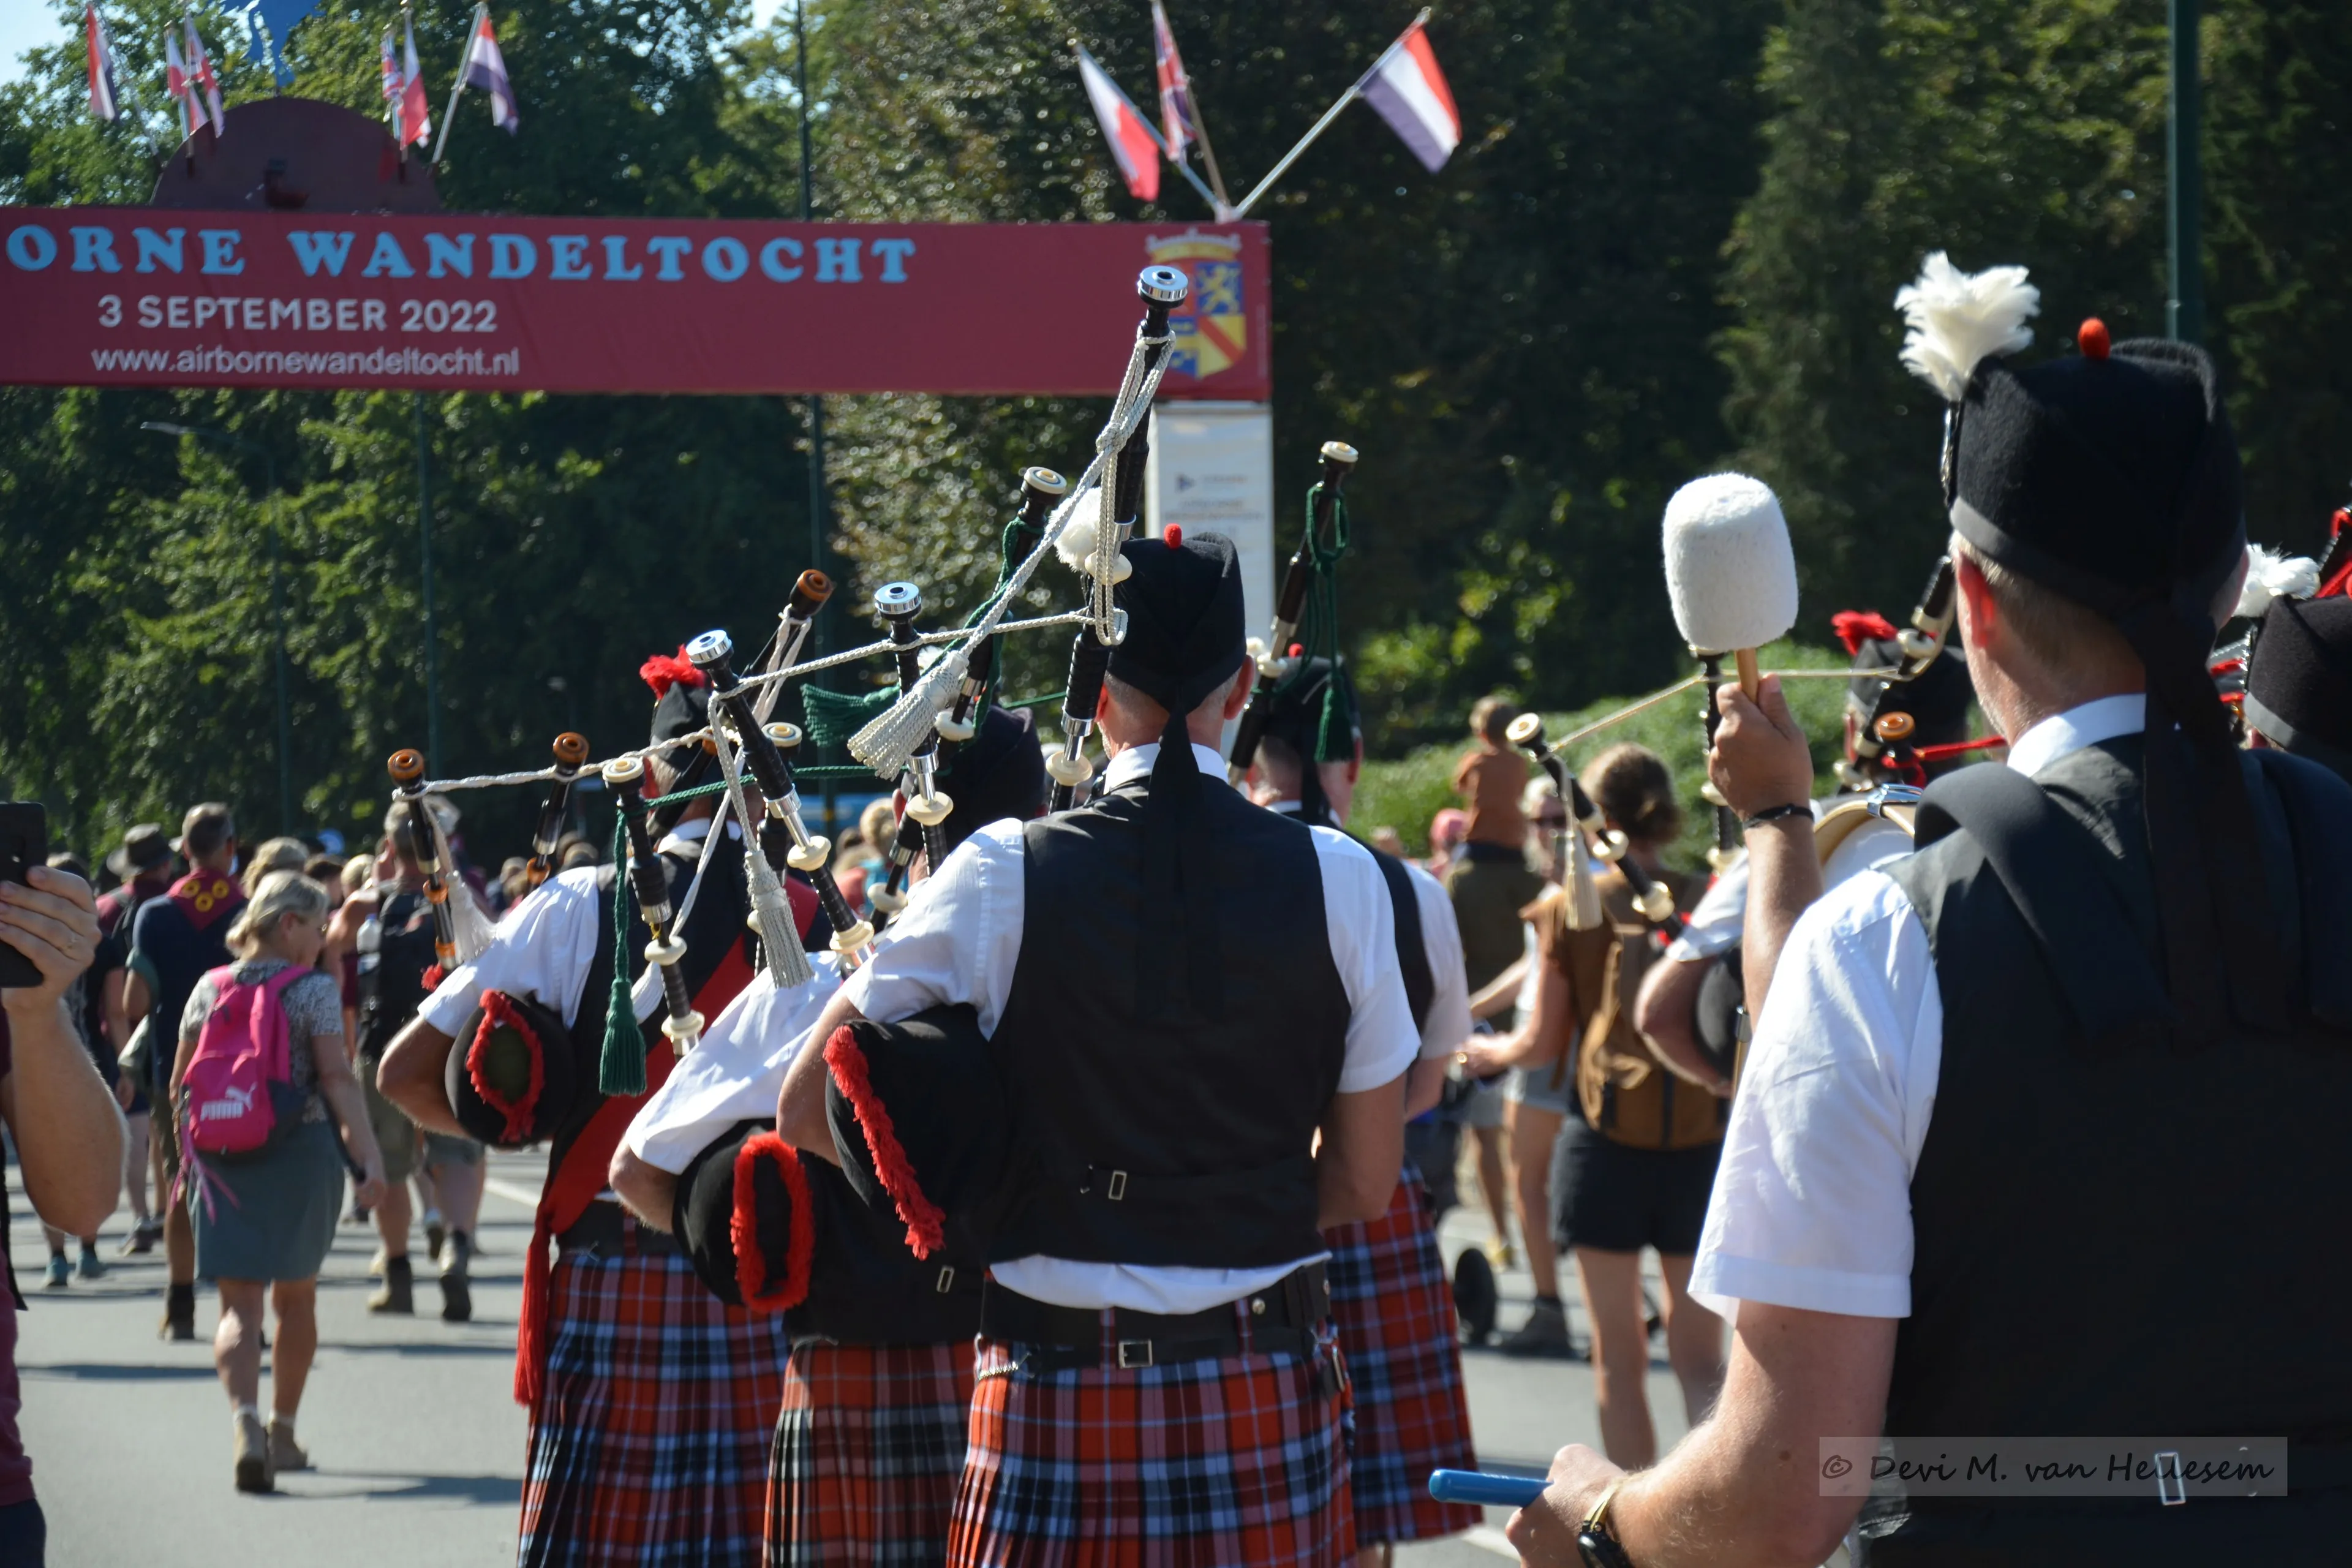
x=529, y=1200
x=1492, y=1539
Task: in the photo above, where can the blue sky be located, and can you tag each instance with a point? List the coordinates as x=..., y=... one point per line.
x=27, y=24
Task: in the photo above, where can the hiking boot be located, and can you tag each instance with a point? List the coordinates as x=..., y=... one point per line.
x=179, y=1314
x=252, y=1455
x=1544, y=1333
x=93, y=1266
x=284, y=1453
x=398, y=1294
x=456, y=1292
x=60, y=1273
x=436, y=1232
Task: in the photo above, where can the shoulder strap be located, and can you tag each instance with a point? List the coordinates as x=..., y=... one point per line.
x=2050, y=865
x=2319, y=807
x=1412, y=952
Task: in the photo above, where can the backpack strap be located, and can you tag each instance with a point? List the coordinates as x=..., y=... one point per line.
x=2052, y=870
x=2319, y=807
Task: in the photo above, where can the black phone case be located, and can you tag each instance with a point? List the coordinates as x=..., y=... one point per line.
x=23, y=841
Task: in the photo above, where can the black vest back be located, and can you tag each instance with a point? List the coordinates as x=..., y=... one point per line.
x=395, y=988
x=2128, y=1241
x=1169, y=1140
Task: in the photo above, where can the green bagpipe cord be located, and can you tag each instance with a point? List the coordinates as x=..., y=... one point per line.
x=1319, y=633
x=622, y=1068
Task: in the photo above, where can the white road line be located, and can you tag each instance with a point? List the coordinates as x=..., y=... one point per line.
x=525, y=1197
x=1492, y=1539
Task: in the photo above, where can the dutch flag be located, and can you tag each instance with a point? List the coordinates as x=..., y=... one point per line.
x=104, y=104
x=1133, y=142
x=487, y=69
x=1409, y=92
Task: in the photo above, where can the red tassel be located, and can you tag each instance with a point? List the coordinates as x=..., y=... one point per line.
x=2091, y=337
x=538, y=1285
x=752, y=1270
x=1855, y=627
x=925, y=1225
x=664, y=671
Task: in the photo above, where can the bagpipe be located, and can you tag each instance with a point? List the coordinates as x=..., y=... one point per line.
x=945, y=688
x=1277, y=656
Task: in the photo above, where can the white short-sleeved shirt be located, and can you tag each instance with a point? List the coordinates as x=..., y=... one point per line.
x=958, y=943
x=1812, y=1206
x=736, y=1072
x=545, y=946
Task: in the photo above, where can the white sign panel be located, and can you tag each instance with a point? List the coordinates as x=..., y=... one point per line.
x=1213, y=469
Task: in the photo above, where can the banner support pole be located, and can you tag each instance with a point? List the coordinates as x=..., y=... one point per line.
x=433, y=752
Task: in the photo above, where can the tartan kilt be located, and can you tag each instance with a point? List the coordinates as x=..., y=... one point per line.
x=649, y=1443
x=1193, y=1464
x=1394, y=1311
x=867, y=1454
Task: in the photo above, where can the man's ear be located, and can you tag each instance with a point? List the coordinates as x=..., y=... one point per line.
x=1980, y=622
x=1237, y=696
x=1356, y=762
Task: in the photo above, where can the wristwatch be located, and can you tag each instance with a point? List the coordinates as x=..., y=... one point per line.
x=1595, y=1541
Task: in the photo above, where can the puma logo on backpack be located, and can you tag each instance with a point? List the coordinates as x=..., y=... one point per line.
x=237, y=1096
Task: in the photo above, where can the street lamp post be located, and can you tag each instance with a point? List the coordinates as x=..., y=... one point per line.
x=815, y=403
x=2185, y=182
x=276, y=598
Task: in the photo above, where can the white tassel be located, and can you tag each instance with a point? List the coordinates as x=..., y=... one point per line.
x=2270, y=575
x=887, y=743
x=1957, y=320
x=469, y=927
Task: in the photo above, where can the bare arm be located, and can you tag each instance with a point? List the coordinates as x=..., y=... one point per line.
x=1744, y=1486
x=1424, y=1085
x=649, y=1192
x=1363, y=1151
x=411, y=1078
x=1662, y=1013
x=1498, y=994
x=800, y=1104
x=136, y=1000
x=1760, y=761
x=67, y=1130
x=1542, y=1037
x=339, y=1086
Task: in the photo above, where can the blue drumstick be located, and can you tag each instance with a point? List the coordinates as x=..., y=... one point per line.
x=1479, y=1486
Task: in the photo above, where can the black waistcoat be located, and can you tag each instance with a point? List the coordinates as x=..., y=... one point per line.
x=714, y=930
x=392, y=989
x=2136, y=1240
x=1170, y=1139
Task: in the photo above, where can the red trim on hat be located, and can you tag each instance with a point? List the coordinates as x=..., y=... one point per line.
x=925, y=1224
x=434, y=976
x=664, y=671
x=1855, y=627
x=499, y=1011
x=752, y=1266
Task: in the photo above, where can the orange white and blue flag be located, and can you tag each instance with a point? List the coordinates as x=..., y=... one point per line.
x=1410, y=94
x=1134, y=145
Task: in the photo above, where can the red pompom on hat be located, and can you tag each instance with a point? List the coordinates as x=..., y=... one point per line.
x=1855, y=627
x=2092, y=338
x=1173, y=534
x=664, y=671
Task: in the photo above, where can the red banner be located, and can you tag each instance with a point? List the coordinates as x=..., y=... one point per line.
x=148, y=296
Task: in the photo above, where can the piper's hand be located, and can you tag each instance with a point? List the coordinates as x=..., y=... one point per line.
x=54, y=922
x=1544, y=1531
x=1760, y=760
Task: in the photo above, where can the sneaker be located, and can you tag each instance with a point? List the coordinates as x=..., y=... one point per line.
x=141, y=1239
x=1500, y=1254
x=398, y=1295
x=1544, y=1333
x=284, y=1453
x=357, y=1217
x=253, y=1456
x=375, y=1264
x=93, y=1266
x=60, y=1272
x=457, y=1293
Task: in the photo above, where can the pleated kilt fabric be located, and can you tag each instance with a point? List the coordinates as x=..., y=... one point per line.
x=1199, y=1463
x=867, y=1455
x=1394, y=1311
x=649, y=1446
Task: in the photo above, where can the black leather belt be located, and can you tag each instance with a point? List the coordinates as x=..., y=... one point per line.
x=1282, y=1317
x=606, y=1229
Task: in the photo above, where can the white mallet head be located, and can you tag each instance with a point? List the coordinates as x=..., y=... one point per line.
x=1729, y=572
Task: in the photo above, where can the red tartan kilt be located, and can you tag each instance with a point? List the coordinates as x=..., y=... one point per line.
x=1394, y=1311
x=649, y=1443
x=867, y=1454
x=1198, y=1463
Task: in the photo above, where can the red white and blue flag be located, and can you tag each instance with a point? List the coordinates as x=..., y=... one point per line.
x=1410, y=94
x=197, y=71
x=182, y=86
x=104, y=104
x=1133, y=143
x=404, y=93
x=487, y=69
x=1178, y=122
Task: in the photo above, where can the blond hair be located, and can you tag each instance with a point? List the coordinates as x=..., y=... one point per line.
x=275, y=855
x=281, y=893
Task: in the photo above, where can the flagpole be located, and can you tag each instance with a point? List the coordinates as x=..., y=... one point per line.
x=465, y=63
x=1355, y=90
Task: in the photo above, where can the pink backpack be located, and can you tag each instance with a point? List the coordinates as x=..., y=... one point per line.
x=238, y=1095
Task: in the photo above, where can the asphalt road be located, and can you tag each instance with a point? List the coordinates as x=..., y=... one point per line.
x=418, y=1445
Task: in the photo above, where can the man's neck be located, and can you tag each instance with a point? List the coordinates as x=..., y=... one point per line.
x=2016, y=706
x=215, y=868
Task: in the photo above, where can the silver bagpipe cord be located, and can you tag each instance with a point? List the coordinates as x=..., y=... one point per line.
x=887, y=744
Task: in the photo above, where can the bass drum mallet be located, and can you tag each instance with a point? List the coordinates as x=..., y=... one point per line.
x=1730, y=575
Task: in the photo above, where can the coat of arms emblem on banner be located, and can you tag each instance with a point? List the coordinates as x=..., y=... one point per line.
x=1213, y=327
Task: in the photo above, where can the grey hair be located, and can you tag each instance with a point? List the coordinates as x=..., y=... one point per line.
x=281, y=893
x=2056, y=630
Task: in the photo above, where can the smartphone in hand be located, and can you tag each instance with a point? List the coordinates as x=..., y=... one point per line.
x=24, y=842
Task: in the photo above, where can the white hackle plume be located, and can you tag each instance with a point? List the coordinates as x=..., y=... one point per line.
x=2271, y=575
x=1730, y=575
x=1958, y=319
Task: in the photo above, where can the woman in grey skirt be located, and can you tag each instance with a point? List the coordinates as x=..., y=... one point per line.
x=263, y=1221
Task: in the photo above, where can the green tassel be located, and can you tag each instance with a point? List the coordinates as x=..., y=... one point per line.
x=622, y=1070
x=1335, y=735
x=832, y=717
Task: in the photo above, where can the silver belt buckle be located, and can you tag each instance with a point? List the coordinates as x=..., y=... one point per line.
x=1134, y=1353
